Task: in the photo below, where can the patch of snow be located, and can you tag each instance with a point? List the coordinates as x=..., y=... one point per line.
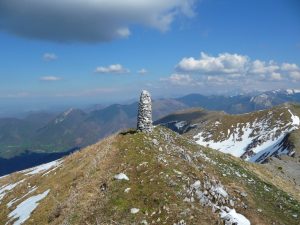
x=24, y=209
x=180, y=124
x=295, y=119
x=261, y=136
x=7, y=188
x=289, y=91
x=17, y=199
x=233, y=144
x=63, y=116
x=134, y=210
x=296, y=91
x=3, y=176
x=267, y=149
x=121, y=176
x=292, y=91
x=234, y=218
x=43, y=167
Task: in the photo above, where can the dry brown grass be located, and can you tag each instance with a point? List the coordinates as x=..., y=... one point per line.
x=77, y=195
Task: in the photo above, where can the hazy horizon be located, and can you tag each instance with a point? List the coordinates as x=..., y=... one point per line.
x=61, y=54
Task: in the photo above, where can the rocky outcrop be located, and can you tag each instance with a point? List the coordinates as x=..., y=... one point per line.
x=144, y=120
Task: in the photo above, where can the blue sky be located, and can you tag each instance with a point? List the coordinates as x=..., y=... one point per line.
x=92, y=52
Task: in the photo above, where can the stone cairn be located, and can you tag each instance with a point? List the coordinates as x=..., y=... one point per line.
x=144, y=120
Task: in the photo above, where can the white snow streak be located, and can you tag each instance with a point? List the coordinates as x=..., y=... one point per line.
x=18, y=199
x=43, y=167
x=180, y=124
x=24, y=209
x=234, y=217
x=295, y=119
x=7, y=188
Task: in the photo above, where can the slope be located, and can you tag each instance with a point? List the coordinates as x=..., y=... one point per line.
x=159, y=178
x=253, y=136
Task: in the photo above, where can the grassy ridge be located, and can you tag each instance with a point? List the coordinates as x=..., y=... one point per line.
x=161, y=167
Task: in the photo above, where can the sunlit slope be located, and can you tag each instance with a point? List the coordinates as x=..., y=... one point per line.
x=252, y=136
x=160, y=178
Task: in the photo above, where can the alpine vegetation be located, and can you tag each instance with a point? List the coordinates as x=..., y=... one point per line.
x=144, y=122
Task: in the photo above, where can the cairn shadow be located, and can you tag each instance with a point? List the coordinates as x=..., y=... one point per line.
x=127, y=132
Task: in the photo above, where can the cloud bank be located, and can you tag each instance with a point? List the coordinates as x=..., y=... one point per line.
x=179, y=79
x=233, y=71
x=235, y=66
x=88, y=20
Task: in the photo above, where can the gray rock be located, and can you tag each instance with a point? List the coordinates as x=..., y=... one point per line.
x=155, y=142
x=144, y=123
x=244, y=194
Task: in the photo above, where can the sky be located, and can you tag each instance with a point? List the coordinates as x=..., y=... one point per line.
x=80, y=52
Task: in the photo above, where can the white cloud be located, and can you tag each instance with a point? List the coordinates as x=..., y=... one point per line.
x=234, y=71
x=88, y=20
x=142, y=71
x=112, y=69
x=295, y=75
x=275, y=76
x=49, y=57
x=235, y=66
x=261, y=67
x=179, y=79
x=50, y=78
x=223, y=63
x=289, y=67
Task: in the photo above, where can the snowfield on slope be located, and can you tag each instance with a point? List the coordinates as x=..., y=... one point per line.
x=232, y=217
x=259, y=137
x=44, y=167
x=6, y=188
x=24, y=209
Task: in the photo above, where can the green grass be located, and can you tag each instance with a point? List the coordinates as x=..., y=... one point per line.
x=156, y=187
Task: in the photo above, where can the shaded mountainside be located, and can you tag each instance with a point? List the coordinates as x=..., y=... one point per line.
x=159, y=178
x=73, y=128
x=253, y=136
x=29, y=159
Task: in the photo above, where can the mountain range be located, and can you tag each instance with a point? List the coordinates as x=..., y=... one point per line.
x=47, y=133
